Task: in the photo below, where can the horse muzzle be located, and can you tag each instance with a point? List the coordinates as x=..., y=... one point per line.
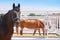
x=16, y=20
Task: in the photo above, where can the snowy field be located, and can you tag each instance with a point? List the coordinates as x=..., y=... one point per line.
x=34, y=38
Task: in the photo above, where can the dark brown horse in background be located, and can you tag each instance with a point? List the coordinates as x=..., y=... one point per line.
x=7, y=22
x=31, y=24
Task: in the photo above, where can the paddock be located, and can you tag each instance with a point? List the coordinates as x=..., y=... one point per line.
x=50, y=20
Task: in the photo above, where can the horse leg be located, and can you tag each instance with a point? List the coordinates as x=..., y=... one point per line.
x=21, y=31
x=39, y=31
x=34, y=32
x=43, y=30
x=17, y=28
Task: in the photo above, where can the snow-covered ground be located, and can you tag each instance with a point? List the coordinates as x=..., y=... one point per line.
x=34, y=38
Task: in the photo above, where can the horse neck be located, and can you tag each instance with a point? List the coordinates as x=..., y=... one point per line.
x=22, y=22
x=9, y=21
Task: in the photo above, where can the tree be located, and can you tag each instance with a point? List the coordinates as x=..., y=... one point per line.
x=31, y=14
x=1, y=14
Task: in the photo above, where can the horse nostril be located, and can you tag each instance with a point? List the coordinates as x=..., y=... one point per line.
x=16, y=19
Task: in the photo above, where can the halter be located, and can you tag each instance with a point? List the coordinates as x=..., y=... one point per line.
x=18, y=16
x=17, y=13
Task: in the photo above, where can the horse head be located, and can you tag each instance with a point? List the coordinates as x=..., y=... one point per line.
x=16, y=10
x=14, y=14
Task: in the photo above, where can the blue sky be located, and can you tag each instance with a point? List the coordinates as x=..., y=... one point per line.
x=31, y=4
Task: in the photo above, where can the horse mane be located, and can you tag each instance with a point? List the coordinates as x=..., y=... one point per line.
x=7, y=13
x=3, y=22
x=3, y=25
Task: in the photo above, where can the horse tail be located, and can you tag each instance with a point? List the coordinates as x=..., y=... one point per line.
x=41, y=23
x=42, y=26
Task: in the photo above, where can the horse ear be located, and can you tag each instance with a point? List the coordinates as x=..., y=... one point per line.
x=13, y=5
x=18, y=5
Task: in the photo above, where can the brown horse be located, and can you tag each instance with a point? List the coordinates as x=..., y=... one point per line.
x=7, y=22
x=31, y=24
